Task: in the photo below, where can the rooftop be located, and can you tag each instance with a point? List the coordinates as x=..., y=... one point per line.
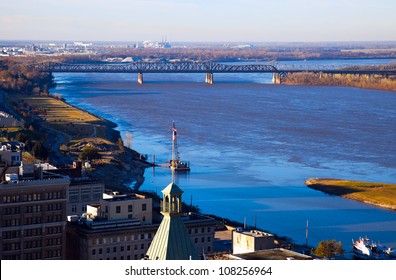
x=271, y=254
x=116, y=196
x=256, y=233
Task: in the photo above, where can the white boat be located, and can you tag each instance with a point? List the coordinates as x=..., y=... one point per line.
x=364, y=248
x=361, y=249
x=175, y=163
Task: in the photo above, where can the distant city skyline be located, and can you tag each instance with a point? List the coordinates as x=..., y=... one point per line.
x=199, y=21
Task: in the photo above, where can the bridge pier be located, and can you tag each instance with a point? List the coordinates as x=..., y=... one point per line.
x=140, y=78
x=209, y=78
x=276, y=78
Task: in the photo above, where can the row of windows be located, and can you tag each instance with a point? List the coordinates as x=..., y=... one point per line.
x=86, y=195
x=35, y=255
x=130, y=208
x=132, y=237
x=53, y=230
x=74, y=208
x=202, y=230
x=11, y=210
x=31, y=232
x=12, y=257
x=53, y=241
x=202, y=239
x=32, y=221
x=120, y=249
x=54, y=206
x=31, y=209
x=54, y=218
x=33, y=197
x=128, y=257
x=11, y=246
x=32, y=244
x=11, y=234
x=52, y=254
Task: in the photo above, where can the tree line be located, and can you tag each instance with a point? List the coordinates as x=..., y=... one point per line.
x=17, y=77
x=361, y=81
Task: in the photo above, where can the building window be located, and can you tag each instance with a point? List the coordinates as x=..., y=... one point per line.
x=130, y=208
x=144, y=207
x=142, y=246
x=118, y=209
x=100, y=251
x=196, y=240
x=114, y=249
x=93, y=252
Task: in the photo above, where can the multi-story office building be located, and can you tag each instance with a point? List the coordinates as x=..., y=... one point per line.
x=34, y=203
x=33, y=217
x=82, y=192
x=126, y=229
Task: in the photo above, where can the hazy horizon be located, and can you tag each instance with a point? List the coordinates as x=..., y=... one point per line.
x=199, y=21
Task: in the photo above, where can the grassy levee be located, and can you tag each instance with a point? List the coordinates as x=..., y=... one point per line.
x=66, y=130
x=379, y=194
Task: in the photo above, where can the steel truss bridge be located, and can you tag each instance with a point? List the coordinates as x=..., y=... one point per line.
x=279, y=72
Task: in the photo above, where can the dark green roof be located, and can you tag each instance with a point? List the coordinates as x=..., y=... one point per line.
x=172, y=242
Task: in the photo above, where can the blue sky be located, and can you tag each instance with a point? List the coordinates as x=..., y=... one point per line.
x=199, y=20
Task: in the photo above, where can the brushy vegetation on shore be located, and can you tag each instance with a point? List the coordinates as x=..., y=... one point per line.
x=360, y=81
x=379, y=194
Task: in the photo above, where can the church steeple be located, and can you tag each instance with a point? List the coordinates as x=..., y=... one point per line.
x=172, y=241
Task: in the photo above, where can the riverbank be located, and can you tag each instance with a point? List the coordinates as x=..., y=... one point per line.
x=67, y=130
x=369, y=82
x=374, y=193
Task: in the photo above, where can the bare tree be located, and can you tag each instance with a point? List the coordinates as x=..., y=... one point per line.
x=128, y=140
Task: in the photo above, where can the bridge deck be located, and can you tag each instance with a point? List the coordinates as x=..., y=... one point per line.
x=209, y=67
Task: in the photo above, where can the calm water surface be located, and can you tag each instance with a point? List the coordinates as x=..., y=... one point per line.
x=252, y=145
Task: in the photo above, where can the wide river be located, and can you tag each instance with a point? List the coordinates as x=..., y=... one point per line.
x=252, y=145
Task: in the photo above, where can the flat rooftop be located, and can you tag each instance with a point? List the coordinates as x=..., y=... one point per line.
x=272, y=254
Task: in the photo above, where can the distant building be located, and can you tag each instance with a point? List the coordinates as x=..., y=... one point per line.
x=11, y=153
x=251, y=241
x=164, y=44
x=7, y=120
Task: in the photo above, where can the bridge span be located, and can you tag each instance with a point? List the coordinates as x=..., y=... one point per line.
x=279, y=72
